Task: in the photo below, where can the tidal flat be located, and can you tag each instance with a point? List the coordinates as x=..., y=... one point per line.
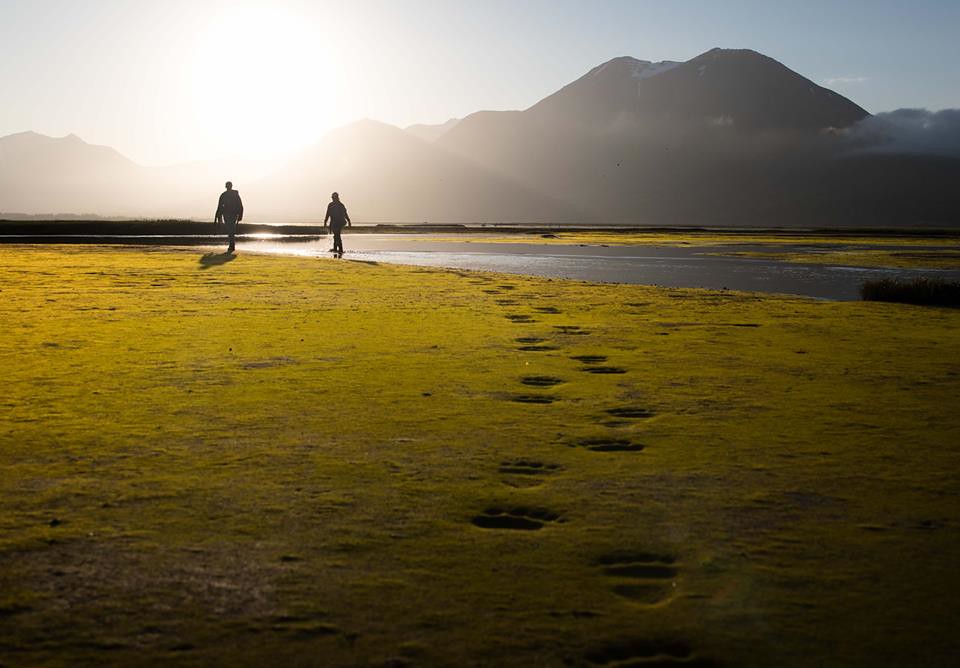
x=248, y=459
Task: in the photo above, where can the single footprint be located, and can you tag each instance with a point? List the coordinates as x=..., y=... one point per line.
x=527, y=467
x=493, y=292
x=522, y=519
x=519, y=317
x=643, y=653
x=537, y=348
x=507, y=302
x=630, y=412
x=507, y=287
x=533, y=398
x=571, y=330
x=590, y=359
x=609, y=445
x=303, y=626
x=643, y=577
x=546, y=309
x=604, y=369
x=529, y=339
x=541, y=381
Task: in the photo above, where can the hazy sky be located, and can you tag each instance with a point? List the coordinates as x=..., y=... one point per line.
x=174, y=80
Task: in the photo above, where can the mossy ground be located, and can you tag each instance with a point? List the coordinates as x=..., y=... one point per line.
x=711, y=238
x=321, y=462
x=899, y=259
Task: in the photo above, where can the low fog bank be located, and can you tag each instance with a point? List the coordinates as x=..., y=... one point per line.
x=910, y=131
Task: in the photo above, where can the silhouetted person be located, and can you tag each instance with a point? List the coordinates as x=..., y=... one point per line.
x=338, y=217
x=229, y=211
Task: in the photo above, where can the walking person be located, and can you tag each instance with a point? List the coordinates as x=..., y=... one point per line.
x=338, y=217
x=229, y=211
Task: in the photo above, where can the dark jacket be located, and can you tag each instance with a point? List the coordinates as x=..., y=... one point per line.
x=229, y=205
x=336, y=214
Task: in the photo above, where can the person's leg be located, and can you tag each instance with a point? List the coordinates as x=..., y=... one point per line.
x=337, y=242
x=231, y=224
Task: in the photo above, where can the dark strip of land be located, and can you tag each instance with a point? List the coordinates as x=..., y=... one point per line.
x=180, y=231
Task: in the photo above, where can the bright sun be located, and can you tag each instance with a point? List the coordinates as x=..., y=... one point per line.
x=262, y=82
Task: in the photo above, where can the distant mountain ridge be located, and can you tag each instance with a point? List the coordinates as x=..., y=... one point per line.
x=432, y=132
x=46, y=175
x=386, y=174
x=60, y=174
x=728, y=137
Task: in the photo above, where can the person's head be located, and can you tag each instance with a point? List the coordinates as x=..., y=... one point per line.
x=228, y=185
x=336, y=197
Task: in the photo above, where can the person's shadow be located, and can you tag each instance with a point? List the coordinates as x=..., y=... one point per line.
x=216, y=259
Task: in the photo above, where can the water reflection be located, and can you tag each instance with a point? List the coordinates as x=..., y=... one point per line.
x=649, y=265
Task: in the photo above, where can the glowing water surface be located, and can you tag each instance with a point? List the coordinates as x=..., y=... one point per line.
x=694, y=267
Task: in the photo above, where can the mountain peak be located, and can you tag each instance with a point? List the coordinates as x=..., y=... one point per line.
x=748, y=90
x=25, y=137
x=644, y=69
x=722, y=51
x=31, y=137
x=639, y=69
x=619, y=60
x=605, y=91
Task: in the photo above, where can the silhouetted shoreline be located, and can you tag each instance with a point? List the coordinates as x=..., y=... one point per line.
x=178, y=232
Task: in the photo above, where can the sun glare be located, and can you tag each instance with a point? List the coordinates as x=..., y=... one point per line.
x=262, y=82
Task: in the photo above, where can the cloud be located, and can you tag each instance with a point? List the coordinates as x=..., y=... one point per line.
x=910, y=131
x=833, y=81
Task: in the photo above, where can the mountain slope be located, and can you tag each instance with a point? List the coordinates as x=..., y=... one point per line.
x=602, y=94
x=432, y=132
x=720, y=88
x=729, y=137
x=385, y=174
x=747, y=90
x=47, y=174
x=50, y=175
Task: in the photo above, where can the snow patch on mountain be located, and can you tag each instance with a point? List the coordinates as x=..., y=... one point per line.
x=644, y=69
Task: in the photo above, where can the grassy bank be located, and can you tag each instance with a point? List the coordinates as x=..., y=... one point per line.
x=897, y=259
x=926, y=291
x=681, y=237
x=324, y=462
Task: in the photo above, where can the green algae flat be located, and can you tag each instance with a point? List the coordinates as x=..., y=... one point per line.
x=935, y=251
x=315, y=461
x=682, y=237
x=903, y=259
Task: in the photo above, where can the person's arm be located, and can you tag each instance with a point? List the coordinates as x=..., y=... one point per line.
x=218, y=216
x=347, y=216
x=240, y=204
x=327, y=217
